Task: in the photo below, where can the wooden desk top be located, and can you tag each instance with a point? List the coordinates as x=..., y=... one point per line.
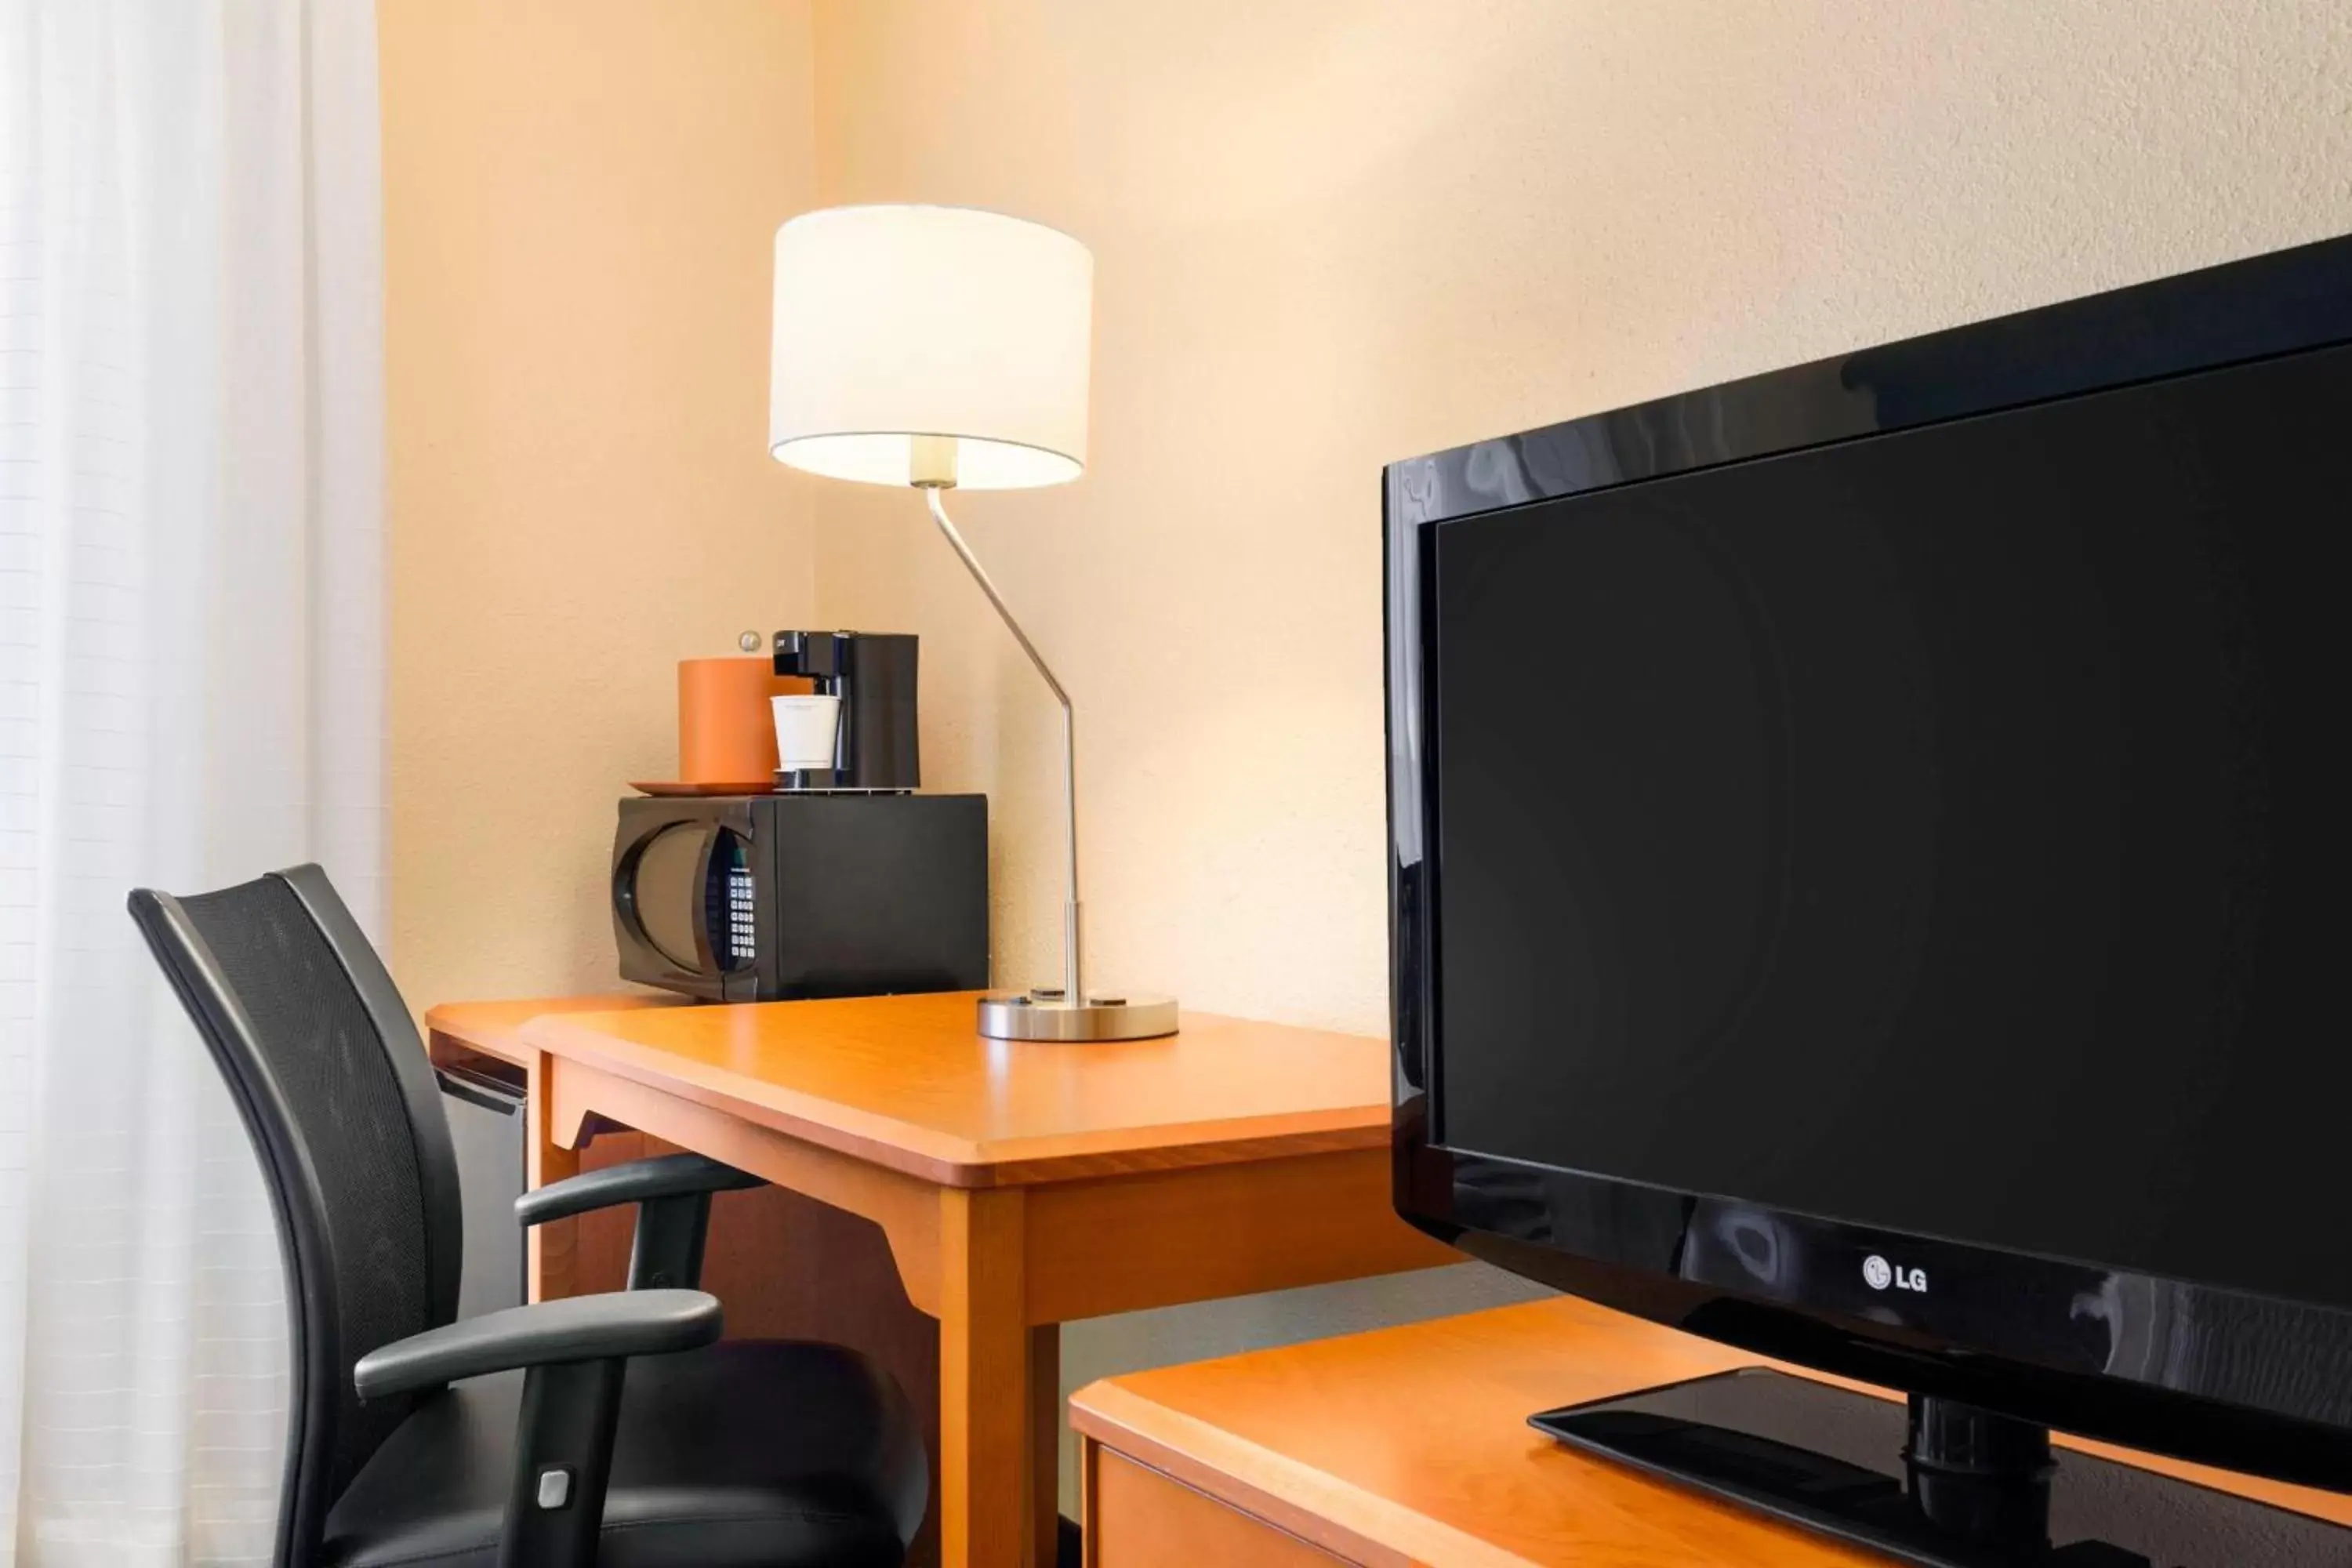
x=1412, y=1445
x=907, y=1082
x=495, y=1028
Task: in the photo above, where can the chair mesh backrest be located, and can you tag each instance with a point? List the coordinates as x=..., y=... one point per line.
x=318, y=1042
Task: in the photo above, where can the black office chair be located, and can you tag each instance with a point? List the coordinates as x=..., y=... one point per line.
x=607, y=1429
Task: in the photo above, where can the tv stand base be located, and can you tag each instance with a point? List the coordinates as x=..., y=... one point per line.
x=1940, y=1484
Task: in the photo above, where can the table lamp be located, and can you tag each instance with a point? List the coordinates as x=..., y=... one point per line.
x=939, y=347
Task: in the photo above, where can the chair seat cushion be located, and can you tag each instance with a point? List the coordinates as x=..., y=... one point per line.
x=746, y=1455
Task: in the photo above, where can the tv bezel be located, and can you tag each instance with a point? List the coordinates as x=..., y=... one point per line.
x=2299, y=1428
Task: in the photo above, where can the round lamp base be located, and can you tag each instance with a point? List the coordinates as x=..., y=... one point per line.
x=1045, y=1015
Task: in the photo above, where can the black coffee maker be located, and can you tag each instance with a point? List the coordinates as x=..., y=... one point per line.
x=873, y=673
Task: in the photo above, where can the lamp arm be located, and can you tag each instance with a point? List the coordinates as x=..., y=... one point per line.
x=1073, y=942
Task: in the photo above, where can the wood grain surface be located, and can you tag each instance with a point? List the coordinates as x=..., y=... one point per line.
x=1138, y=1518
x=455, y=1030
x=909, y=1082
x=1159, y=1238
x=1411, y=1445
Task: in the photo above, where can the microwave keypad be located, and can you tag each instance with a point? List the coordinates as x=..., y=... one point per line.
x=727, y=904
x=740, y=948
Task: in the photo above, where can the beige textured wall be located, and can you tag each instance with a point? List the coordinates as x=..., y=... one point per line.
x=579, y=201
x=1327, y=236
x=1331, y=235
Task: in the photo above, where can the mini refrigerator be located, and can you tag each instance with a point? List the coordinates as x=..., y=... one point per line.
x=484, y=1100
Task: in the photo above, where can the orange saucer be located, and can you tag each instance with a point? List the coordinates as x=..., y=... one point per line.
x=765, y=786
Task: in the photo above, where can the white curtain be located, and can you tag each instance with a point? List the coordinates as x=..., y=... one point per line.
x=191, y=682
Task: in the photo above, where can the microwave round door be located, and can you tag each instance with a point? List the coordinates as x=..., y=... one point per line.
x=688, y=907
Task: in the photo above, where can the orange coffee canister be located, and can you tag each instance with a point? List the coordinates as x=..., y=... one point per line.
x=726, y=730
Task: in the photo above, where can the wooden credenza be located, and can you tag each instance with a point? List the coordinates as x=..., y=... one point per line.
x=1411, y=1445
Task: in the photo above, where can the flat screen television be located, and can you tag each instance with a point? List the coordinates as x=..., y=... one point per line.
x=1871, y=882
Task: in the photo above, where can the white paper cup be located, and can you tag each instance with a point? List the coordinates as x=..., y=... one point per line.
x=805, y=727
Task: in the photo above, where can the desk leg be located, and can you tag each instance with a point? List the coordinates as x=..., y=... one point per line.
x=984, y=1388
x=551, y=1250
x=1044, y=1444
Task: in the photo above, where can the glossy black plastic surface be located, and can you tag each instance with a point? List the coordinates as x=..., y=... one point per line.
x=2277, y=303
x=1851, y=1465
x=2230, y=1376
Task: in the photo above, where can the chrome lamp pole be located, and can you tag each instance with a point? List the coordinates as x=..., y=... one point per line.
x=1069, y=1013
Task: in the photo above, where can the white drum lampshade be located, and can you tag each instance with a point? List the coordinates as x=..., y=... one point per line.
x=896, y=324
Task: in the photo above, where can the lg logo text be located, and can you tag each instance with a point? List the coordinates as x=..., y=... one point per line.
x=1879, y=1274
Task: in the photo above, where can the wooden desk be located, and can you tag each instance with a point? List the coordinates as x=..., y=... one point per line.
x=1019, y=1185
x=1411, y=1445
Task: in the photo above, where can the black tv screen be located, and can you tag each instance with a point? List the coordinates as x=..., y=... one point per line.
x=1872, y=860
x=1943, y=832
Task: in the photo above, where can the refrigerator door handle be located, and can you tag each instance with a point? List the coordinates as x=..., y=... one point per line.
x=486, y=1092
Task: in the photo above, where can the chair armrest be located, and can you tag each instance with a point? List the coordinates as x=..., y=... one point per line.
x=667, y=1176
x=672, y=1197
x=576, y=1352
x=608, y=1327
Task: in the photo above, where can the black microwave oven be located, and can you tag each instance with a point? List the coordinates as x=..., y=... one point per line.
x=779, y=897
